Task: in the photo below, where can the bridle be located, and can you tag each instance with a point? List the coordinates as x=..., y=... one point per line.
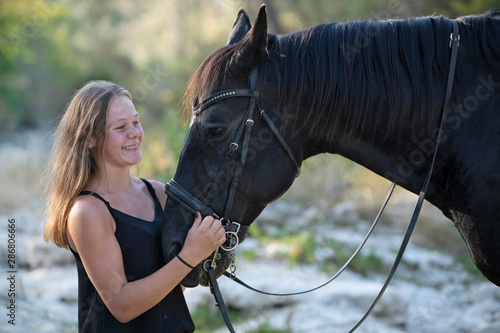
x=193, y=204
x=242, y=139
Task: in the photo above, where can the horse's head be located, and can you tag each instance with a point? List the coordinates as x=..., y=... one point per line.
x=233, y=162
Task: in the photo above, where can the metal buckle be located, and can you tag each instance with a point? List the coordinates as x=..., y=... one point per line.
x=233, y=147
x=454, y=39
x=230, y=224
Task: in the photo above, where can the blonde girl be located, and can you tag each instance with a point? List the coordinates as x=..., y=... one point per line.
x=111, y=221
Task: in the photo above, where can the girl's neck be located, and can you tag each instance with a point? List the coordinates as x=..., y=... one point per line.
x=111, y=181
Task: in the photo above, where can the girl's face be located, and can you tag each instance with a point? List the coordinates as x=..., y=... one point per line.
x=124, y=134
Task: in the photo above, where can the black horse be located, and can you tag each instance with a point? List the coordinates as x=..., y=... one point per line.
x=371, y=91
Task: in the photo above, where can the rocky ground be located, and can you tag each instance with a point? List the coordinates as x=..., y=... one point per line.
x=430, y=292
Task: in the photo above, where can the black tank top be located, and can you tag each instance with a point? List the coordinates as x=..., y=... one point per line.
x=140, y=242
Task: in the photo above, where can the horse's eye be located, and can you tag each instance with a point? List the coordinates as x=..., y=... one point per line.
x=215, y=132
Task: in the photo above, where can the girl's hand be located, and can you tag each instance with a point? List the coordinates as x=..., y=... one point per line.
x=204, y=237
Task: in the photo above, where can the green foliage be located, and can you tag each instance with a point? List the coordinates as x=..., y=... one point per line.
x=25, y=92
x=299, y=248
x=248, y=255
x=364, y=263
x=303, y=246
x=207, y=320
x=259, y=233
x=50, y=48
x=267, y=328
x=163, y=141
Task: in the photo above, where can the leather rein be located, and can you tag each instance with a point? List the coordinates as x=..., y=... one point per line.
x=192, y=204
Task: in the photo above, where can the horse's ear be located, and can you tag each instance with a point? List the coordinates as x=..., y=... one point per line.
x=251, y=48
x=240, y=28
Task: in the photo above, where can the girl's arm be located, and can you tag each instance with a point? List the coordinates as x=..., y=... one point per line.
x=91, y=234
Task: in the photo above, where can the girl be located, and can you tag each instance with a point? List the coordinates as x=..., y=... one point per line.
x=111, y=221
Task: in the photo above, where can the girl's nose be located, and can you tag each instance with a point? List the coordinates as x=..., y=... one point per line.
x=135, y=131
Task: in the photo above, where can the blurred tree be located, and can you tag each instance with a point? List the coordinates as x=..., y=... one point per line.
x=23, y=42
x=49, y=48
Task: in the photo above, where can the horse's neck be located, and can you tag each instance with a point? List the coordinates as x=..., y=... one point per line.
x=396, y=155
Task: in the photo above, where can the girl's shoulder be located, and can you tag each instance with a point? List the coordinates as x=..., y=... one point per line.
x=88, y=216
x=88, y=208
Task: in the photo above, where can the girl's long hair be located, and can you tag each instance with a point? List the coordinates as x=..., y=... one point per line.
x=72, y=163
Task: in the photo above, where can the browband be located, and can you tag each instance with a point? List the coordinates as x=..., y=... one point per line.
x=198, y=108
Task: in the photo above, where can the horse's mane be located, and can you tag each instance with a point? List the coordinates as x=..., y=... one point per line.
x=348, y=68
x=213, y=71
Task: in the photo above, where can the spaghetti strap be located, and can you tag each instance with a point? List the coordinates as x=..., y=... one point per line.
x=152, y=192
x=98, y=197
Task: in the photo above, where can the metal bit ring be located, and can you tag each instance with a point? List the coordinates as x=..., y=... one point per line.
x=233, y=240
